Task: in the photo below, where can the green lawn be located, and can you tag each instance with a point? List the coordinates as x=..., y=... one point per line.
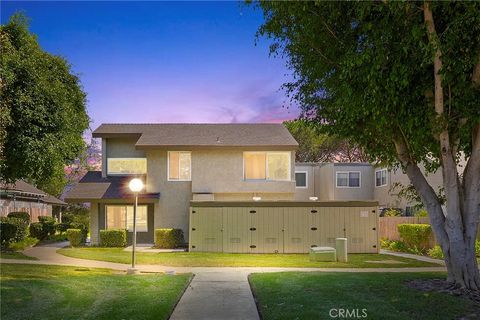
x=59, y=292
x=195, y=259
x=299, y=295
x=15, y=255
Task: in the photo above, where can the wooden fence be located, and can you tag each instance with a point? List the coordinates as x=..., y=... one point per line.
x=388, y=225
x=34, y=212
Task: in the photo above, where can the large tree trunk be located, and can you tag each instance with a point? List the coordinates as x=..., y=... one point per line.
x=455, y=229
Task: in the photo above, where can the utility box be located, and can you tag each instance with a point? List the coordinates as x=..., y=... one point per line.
x=341, y=248
x=322, y=254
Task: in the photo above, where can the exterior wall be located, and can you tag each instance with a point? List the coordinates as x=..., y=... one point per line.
x=119, y=148
x=248, y=196
x=387, y=196
x=303, y=194
x=364, y=192
x=219, y=171
x=94, y=223
x=171, y=211
x=34, y=208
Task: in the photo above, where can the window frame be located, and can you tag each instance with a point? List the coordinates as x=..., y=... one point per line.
x=306, y=179
x=289, y=178
x=386, y=178
x=126, y=174
x=348, y=181
x=168, y=167
x=126, y=214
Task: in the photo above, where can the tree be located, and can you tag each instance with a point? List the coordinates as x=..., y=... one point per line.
x=315, y=146
x=45, y=106
x=401, y=79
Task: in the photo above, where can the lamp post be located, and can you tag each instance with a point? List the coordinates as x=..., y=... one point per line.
x=135, y=185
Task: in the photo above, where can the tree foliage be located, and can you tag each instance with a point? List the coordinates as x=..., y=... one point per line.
x=402, y=80
x=316, y=146
x=43, y=110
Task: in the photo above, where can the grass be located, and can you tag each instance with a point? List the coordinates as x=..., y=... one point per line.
x=59, y=292
x=298, y=295
x=196, y=259
x=15, y=255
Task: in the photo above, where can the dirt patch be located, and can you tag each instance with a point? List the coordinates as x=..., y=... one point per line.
x=442, y=286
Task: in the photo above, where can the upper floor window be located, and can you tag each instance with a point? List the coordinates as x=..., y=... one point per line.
x=348, y=179
x=301, y=179
x=381, y=178
x=179, y=166
x=126, y=166
x=266, y=165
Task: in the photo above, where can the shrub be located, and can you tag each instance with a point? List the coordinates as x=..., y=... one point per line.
x=392, y=213
x=48, y=224
x=25, y=243
x=62, y=227
x=75, y=236
x=415, y=236
x=20, y=215
x=8, y=231
x=435, y=252
x=113, y=238
x=37, y=231
x=169, y=238
x=421, y=213
x=477, y=248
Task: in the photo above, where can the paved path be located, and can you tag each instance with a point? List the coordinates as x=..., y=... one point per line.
x=214, y=293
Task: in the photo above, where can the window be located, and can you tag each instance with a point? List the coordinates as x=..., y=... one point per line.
x=301, y=179
x=381, y=178
x=126, y=166
x=266, y=165
x=121, y=217
x=350, y=179
x=179, y=166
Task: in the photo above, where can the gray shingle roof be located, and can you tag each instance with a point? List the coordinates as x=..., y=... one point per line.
x=202, y=135
x=22, y=187
x=95, y=187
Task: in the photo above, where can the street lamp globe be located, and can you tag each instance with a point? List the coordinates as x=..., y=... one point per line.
x=135, y=185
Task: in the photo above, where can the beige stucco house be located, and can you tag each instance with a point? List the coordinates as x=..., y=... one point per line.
x=356, y=181
x=180, y=163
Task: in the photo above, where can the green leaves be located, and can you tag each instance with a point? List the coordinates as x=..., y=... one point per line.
x=365, y=70
x=45, y=106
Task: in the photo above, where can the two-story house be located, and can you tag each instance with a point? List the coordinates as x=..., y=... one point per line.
x=180, y=163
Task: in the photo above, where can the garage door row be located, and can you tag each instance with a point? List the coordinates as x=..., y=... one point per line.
x=281, y=229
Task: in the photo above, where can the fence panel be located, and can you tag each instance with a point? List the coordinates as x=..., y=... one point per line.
x=388, y=225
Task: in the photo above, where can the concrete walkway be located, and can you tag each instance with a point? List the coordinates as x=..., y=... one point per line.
x=413, y=256
x=214, y=293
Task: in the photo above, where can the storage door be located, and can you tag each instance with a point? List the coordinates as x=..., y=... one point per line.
x=327, y=223
x=296, y=227
x=206, y=229
x=266, y=230
x=236, y=229
x=361, y=229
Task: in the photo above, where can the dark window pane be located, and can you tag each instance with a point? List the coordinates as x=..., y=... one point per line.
x=301, y=179
x=354, y=179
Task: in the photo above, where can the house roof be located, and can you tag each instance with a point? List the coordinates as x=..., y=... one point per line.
x=25, y=190
x=95, y=187
x=251, y=135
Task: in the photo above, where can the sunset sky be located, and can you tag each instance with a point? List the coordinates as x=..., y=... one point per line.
x=163, y=61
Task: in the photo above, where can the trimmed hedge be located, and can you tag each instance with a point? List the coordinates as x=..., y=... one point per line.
x=49, y=224
x=169, y=238
x=37, y=231
x=113, y=238
x=12, y=230
x=415, y=235
x=20, y=215
x=75, y=236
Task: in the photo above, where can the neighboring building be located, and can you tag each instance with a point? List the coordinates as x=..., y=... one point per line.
x=356, y=181
x=183, y=162
x=21, y=196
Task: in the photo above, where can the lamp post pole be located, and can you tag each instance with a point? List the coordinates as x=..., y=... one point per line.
x=134, y=240
x=135, y=185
